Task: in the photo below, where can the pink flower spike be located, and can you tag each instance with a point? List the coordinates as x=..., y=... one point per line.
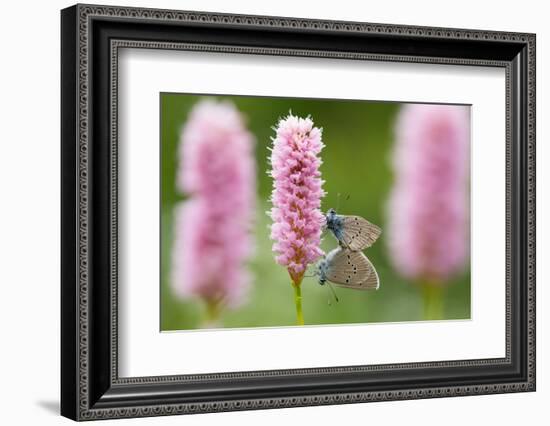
x=296, y=196
x=213, y=227
x=428, y=208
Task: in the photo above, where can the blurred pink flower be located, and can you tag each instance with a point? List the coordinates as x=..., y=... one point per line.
x=428, y=208
x=213, y=228
x=296, y=196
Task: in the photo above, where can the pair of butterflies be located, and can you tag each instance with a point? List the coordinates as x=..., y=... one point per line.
x=346, y=266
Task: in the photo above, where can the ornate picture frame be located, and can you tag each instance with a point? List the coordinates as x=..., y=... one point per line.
x=91, y=37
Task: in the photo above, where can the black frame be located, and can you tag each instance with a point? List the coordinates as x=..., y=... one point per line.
x=90, y=38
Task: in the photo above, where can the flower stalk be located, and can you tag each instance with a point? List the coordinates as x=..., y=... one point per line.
x=428, y=208
x=298, y=303
x=432, y=294
x=213, y=310
x=296, y=198
x=213, y=238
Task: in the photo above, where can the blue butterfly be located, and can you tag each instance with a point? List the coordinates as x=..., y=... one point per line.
x=352, y=232
x=348, y=269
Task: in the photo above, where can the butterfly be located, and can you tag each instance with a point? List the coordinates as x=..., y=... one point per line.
x=352, y=232
x=348, y=269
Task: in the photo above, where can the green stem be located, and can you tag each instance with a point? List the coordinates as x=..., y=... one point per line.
x=298, y=302
x=432, y=293
x=212, y=314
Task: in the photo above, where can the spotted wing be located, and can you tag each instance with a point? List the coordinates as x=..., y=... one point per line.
x=371, y=283
x=351, y=269
x=358, y=233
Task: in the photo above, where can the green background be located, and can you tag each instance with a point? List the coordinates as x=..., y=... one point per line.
x=357, y=164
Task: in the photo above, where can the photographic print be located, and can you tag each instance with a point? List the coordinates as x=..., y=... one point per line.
x=289, y=211
x=363, y=193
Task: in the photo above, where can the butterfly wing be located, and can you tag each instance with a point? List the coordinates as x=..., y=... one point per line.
x=351, y=269
x=358, y=233
x=372, y=282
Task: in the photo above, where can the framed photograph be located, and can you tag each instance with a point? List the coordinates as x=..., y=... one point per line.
x=263, y=212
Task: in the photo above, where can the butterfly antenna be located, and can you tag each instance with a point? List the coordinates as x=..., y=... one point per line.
x=311, y=273
x=338, y=202
x=333, y=292
x=346, y=198
x=328, y=301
